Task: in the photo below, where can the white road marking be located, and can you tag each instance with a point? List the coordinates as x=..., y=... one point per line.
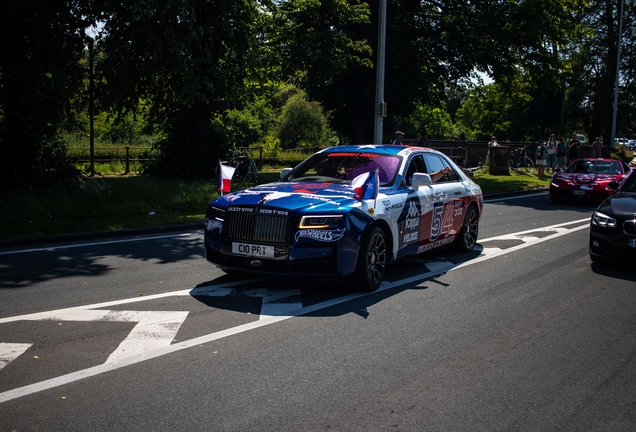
x=11, y=351
x=154, y=330
x=436, y=268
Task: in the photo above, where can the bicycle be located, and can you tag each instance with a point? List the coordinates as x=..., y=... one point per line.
x=243, y=162
x=524, y=162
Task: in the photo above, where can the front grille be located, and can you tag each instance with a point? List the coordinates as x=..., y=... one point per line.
x=629, y=227
x=255, y=227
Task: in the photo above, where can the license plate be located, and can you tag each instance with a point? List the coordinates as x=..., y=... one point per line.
x=578, y=192
x=253, y=250
x=632, y=242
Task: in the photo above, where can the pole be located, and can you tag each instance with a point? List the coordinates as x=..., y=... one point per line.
x=618, y=68
x=91, y=105
x=380, y=106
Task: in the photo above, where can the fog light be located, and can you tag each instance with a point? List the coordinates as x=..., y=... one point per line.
x=595, y=243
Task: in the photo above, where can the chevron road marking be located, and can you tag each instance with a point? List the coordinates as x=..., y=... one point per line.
x=11, y=351
x=280, y=309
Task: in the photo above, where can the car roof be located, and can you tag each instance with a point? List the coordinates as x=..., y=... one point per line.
x=386, y=149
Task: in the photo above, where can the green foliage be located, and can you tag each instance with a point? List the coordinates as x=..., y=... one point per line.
x=488, y=111
x=39, y=73
x=435, y=121
x=302, y=123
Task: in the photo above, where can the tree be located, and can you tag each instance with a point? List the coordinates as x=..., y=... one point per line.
x=302, y=123
x=42, y=45
x=189, y=59
x=590, y=94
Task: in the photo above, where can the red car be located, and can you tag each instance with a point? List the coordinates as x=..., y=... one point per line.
x=587, y=180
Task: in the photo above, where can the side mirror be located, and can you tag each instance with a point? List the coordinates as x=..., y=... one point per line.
x=612, y=186
x=420, y=179
x=285, y=171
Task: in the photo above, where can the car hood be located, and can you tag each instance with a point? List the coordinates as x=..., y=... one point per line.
x=620, y=204
x=583, y=178
x=322, y=197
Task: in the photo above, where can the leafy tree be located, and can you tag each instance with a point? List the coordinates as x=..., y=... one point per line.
x=590, y=95
x=435, y=121
x=302, y=123
x=40, y=70
x=489, y=111
x=189, y=59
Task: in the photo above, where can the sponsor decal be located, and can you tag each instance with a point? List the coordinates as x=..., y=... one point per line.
x=353, y=154
x=409, y=223
x=273, y=212
x=213, y=224
x=388, y=206
x=435, y=244
x=320, y=235
x=442, y=219
x=241, y=209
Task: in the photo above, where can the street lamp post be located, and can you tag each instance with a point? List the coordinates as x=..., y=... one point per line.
x=380, y=105
x=618, y=68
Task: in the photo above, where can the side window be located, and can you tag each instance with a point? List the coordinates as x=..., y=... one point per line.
x=435, y=163
x=416, y=164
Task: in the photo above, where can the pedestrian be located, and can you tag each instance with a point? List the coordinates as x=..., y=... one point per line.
x=399, y=136
x=597, y=148
x=423, y=139
x=562, y=154
x=574, y=145
x=552, y=149
x=493, y=143
x=542, y=156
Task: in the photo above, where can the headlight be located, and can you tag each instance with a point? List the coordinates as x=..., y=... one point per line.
x=318, y=222
x=216, y=213
x=603, y=220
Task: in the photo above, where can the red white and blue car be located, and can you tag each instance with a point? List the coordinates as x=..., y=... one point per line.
x=346, y=211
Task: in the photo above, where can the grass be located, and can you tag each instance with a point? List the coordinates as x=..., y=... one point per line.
x=122, y=202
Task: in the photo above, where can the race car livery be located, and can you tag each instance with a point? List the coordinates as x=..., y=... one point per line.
x=346, y=211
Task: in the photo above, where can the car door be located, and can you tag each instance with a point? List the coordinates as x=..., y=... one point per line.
x=447, y=203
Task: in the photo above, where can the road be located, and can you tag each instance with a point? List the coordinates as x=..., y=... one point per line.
x=524, y=334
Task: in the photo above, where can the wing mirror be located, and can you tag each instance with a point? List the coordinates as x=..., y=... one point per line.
x=420, y=179
x=285, y=171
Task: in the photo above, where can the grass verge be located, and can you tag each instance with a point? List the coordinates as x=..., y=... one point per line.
x=123, y=202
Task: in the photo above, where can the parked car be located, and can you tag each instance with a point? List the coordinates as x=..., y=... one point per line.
x=587, y=180
x=346, y=211
x=631, y=145
x=613, y=224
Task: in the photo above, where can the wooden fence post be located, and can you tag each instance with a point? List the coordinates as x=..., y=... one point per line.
x=127, y=160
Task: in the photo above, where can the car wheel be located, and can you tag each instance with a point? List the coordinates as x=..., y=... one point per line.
x=372, y=260
x=467, y=237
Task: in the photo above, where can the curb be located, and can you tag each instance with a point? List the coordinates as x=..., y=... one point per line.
x=128, y=232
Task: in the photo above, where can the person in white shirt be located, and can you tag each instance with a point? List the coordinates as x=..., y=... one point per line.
x=552, y=148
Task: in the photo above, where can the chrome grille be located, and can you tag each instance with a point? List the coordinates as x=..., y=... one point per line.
x=630, y=227
x=265, y=228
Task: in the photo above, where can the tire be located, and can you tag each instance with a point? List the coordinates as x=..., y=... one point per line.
x=372, y=260
x=528, y=164
x=467, y=238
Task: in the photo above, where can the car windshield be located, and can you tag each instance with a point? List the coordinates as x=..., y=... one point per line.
x=629, y=185
x=343, y=167
x=595, y=167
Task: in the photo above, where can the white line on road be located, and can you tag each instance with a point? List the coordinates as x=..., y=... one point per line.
x=11, y=351
x=435, y=268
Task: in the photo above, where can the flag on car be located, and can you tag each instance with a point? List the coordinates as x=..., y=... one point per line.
x=366, y=185
x=225, y=178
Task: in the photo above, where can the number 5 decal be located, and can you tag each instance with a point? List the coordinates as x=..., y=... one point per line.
x=436, y=222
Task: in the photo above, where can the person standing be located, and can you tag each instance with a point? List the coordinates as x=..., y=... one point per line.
x=597, y=148
x=493, y=143
x=574, y=145
x=542, y=155
x=399, y=136
x=562, y=154
x=552, y=149
x=423, y=139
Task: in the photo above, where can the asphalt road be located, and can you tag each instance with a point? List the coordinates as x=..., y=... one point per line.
x=143, y=334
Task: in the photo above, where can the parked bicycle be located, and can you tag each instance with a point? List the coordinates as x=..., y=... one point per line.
x=523, y=164
x=245, y=165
